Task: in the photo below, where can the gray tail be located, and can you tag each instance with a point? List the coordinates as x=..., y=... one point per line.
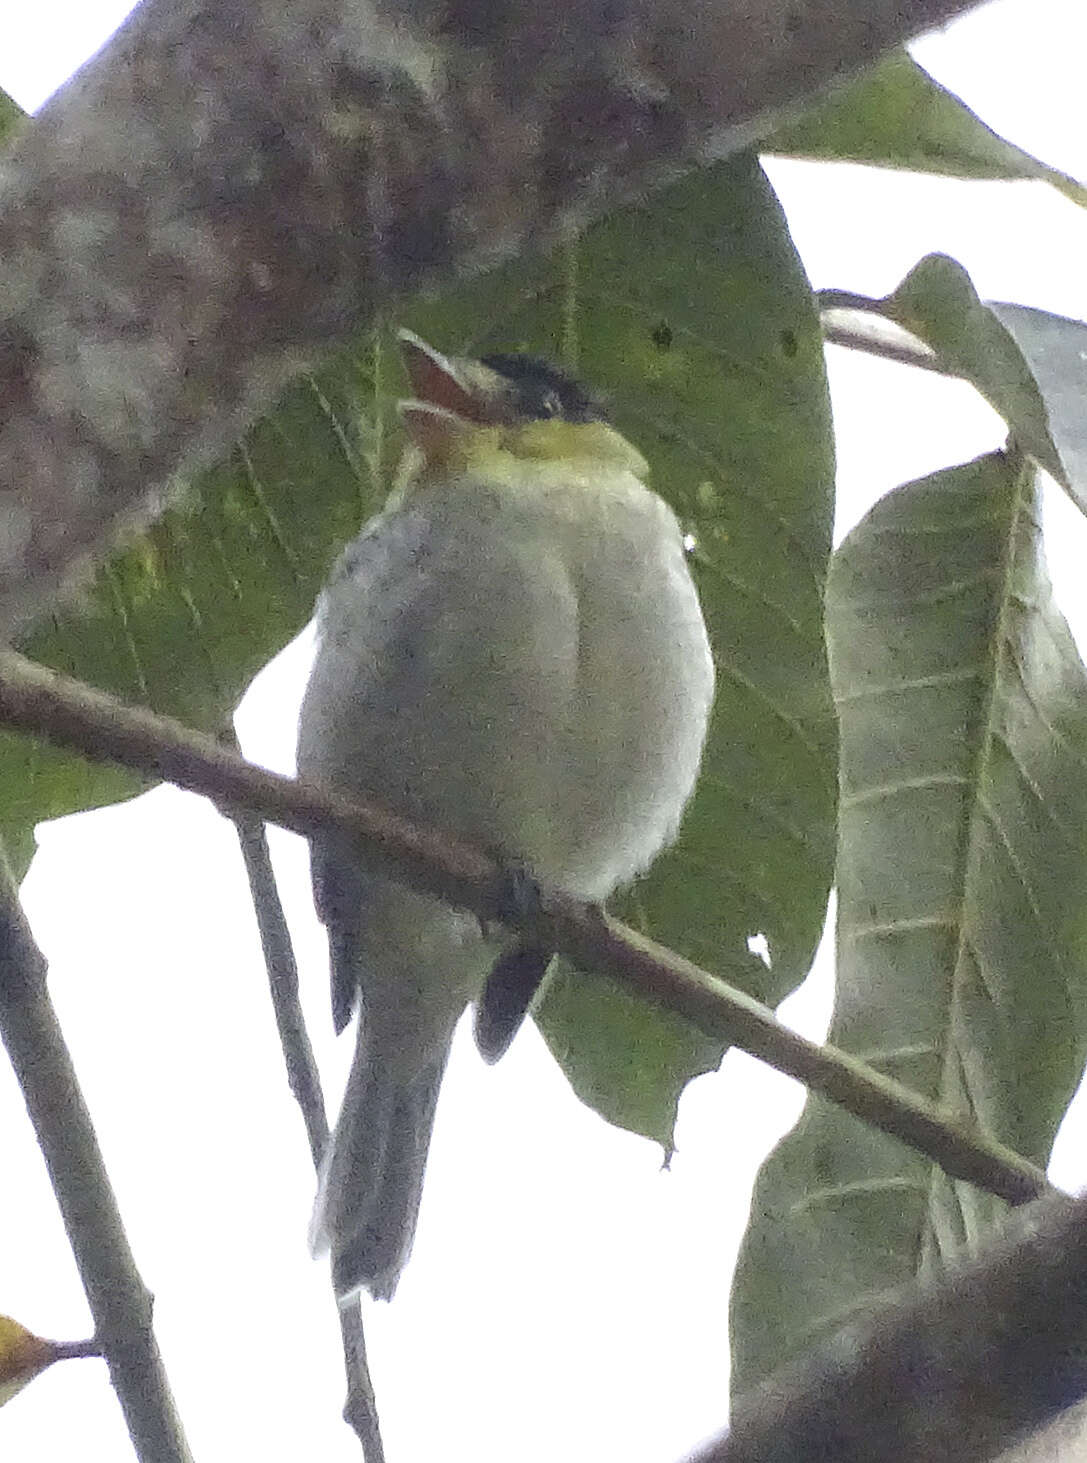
x=372, y=1176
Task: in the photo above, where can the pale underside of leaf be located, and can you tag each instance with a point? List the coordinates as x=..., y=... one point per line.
x=1030, y=365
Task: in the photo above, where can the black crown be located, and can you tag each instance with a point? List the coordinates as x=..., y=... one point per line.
x=541, y=390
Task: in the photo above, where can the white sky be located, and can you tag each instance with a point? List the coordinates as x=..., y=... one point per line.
x=566, y=1298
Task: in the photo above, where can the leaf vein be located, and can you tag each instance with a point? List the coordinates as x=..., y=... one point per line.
x=879, y=929
x=910, y=683
x=881, y=790
x=740, y=678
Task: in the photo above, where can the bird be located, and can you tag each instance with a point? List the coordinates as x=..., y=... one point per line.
x=513, y=651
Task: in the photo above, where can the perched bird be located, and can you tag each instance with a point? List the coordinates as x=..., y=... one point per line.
x=512, y=651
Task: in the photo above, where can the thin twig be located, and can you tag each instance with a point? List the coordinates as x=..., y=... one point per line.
x=360, y=1407
x=73, y=715
x=275, y=939
x=120, y=1302
x=75, y=1350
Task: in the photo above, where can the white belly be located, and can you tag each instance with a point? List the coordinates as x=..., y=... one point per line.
x=525, y=666
x=641, y=697
x=587, y=682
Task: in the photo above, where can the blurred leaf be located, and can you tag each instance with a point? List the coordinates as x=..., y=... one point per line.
x=185, y=617
x=626, y=1060
x=896, y=116
x=1027, y=364
x=962, y=879
x=1055, y=349
x=938, y=303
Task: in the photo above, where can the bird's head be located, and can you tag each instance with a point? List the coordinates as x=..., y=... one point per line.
x=465, y=409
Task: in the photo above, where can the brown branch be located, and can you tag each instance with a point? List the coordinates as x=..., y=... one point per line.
x=70, y=714
x=120, y=1302
x=227, y=190
x=360, y=1408
x=949, y=1373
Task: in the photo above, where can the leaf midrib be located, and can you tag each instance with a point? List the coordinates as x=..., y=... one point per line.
x=974, y=812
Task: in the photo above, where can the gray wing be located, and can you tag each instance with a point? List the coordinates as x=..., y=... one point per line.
x=340, y=891
x=354, y=613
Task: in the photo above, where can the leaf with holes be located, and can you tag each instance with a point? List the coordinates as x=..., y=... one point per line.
x=693, y=317
x=962, y=878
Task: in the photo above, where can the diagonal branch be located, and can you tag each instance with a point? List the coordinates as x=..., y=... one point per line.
x=120, y=1302
x=73, y=715
x=947, y=1373
x=360, y=1409
x=275, y=939
x=228, y=190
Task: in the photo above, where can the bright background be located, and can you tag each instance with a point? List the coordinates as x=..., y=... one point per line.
x=567, y=1298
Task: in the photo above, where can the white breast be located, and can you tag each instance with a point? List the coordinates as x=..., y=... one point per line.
x=610, y=750
x=523, y=663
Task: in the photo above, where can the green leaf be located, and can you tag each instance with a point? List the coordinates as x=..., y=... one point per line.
x=1055, y=350
x=962, y=888
x=185, y=617
x=626, y=1060
x=896, y=116
x=938, y=303
x=695, y=318
x=1030, y=365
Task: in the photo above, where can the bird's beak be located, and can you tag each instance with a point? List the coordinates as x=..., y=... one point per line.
x=440, y=381
x=451, y=397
